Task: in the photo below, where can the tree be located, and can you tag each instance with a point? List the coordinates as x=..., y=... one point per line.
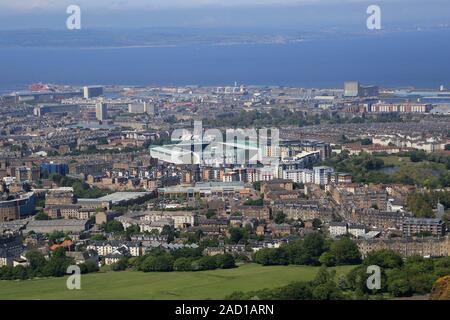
x=183, y=264
x=279, y=217
x=314, y=245
x=112, y=226
x=296, y=291
x=97, y=237
x=417, y=156
x=36, y=261
x=41, y=216
x=327, y=291
x=269, y=257
x=19, y=272
x=187, y=253
x=325, y=287
x=237, y=235
x=88, y=267
x=169, y=232
x=251, y=202
x=210, y=213
x=225, y=261
x=57, y=264
x=384, y=259
x=323, y=276
x=327, y=259
x=56, y=236
x=207, y=263
x=317, y=223
x=257, y=185
x=399, y=287
x=344, y=251
x=120, y=265
x=420, y=205
x=132, y=230
x=161, y=262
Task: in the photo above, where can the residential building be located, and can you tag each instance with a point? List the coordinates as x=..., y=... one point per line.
x=357, y=230
x=337, y=229
x=426, y=247
x=107, y=247
x=417, y=226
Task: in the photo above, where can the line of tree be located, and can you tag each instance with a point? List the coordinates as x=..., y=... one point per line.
x=399, y=278
x=186, y=259
x=323, y=287
x=314, y=250
x=38, y=266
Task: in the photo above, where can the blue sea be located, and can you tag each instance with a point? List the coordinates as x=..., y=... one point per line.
x=419, y=59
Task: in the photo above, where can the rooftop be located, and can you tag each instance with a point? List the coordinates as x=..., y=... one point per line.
x=117, y=197
x=59, y=222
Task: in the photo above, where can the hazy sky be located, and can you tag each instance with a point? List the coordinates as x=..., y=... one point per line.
x=25, y=5
x=214, y=13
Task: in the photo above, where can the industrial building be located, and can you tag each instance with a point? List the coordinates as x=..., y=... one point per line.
x=22, y=205
x=64, y=225
x=92, y=91
x=126, y=198
x=352, y=89
x=44, y=109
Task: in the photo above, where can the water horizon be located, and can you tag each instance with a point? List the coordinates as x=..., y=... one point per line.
x=417, y=60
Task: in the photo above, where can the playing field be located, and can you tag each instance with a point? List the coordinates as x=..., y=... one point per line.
x=214, y=284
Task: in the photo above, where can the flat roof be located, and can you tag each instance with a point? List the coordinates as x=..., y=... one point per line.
x=205, y=186
x=57, y=222
x=117, y=197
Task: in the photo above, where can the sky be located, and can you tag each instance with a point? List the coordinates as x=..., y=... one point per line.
x=272, y=14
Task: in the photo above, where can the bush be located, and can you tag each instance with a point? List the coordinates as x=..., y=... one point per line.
x=162, y=262
x=225, y=261
x=207, y=263
x=183, y=264
x=121, y=265
x=269, y=257
x=384, y=259
x=400, y=287
x=343, y=251
x=88, y=267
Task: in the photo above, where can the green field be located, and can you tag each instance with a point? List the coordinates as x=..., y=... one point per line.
x=214, y=284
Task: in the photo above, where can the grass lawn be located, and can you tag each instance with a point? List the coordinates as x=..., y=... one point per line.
x=215, y=284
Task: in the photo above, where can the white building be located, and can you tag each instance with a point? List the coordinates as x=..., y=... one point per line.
x=181, y=219
x=101, y=111
x=141, y=107
x=322, y=175
x=104, y=248
x=337, y=229
x=357, y=230
x=299, y=176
